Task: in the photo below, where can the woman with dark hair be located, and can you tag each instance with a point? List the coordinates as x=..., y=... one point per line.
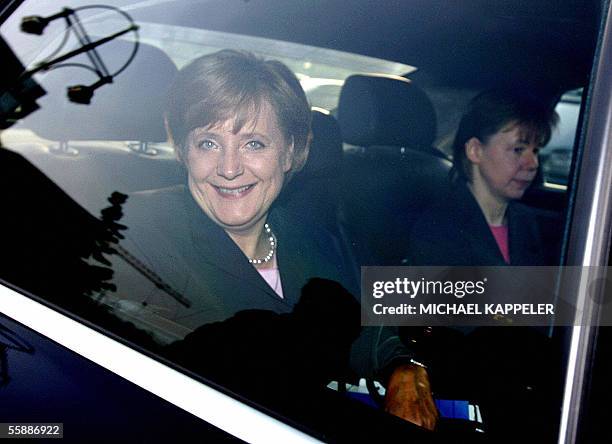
x=495, y=160
x=510, y=370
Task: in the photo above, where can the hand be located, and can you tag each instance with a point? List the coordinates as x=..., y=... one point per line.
x=409, y=396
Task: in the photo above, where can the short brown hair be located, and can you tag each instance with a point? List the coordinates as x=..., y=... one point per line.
x=490, y=111
x=232, y=84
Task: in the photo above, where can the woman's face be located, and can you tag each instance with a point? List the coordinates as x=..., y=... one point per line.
x=507, y=164
x=235, y=176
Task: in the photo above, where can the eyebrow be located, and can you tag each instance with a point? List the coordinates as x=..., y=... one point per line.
x=254, y=134
x=199, y=132
x=538, y=144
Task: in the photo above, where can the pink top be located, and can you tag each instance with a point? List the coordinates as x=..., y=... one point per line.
x=272, y=277
x=500, y=233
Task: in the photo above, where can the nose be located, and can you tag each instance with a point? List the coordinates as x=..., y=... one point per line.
x=229, y=164
x=530, y=160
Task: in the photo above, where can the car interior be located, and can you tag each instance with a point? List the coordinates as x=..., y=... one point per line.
x=393, y=123
x=380, y=152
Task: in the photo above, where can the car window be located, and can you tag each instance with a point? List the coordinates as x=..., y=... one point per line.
x=558, y=153
x=114, y=282
x=122, y=221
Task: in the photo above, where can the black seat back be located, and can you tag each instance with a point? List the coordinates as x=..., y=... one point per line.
x=393, y=172
x=314, y=192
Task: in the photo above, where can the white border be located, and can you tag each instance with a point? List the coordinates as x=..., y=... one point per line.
x=199, y=399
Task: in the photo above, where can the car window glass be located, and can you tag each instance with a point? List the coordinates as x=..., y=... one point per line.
x=98, y=270
x=558, y=153
x=118, y=226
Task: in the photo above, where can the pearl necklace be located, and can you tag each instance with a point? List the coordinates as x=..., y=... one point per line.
x=272, y=241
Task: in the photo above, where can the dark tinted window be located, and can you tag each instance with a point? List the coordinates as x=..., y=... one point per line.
x=103, y=223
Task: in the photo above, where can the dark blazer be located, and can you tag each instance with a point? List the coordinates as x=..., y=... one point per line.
x=173, y=238
x=455, y=232
x=169, y=233
x=502, y=360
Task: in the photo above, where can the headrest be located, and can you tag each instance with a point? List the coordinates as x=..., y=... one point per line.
x=130, y=108
x=385, y=110
x=326, y=146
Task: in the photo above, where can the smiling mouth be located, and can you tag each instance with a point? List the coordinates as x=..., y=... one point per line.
x=233, y=192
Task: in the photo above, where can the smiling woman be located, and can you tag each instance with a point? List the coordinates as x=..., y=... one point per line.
x=235, y=175
x=240, y=126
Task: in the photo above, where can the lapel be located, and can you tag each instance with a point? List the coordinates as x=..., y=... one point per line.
x=479, y=240
x=290, y=257
x=305, y=252
x=525, y=246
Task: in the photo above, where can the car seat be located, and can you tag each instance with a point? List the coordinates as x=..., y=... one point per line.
x=392, y=172
x=314, y=192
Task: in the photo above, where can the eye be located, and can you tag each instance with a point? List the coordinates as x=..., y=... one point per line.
x=536, y=151
x=518, y=149
x=255, y=145
x=207, y=144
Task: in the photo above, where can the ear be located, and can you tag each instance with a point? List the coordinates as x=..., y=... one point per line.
x=293, y=162
x=473, y=150
x=297, y=161
x=177, y=152
x=288, y=158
